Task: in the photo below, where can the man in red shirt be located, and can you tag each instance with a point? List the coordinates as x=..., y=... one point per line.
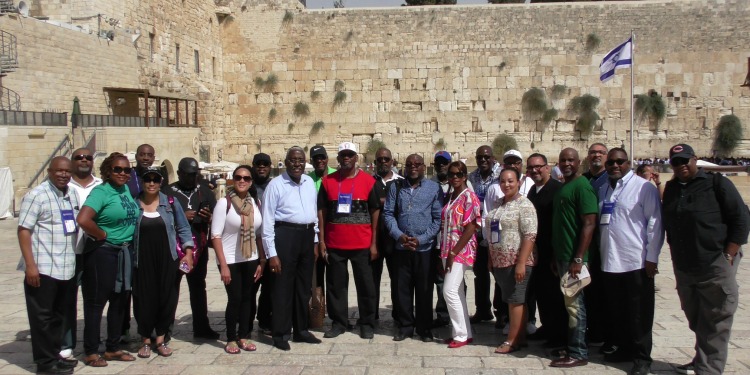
x=348, y=211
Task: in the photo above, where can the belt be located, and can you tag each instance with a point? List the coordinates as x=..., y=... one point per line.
x=295, y=225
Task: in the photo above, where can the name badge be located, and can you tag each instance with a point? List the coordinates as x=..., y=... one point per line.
x=345, y=204
x=608, y=208
x=495, y=229
x=69, y=221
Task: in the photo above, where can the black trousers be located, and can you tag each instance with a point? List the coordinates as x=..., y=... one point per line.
x=70, y=325
x=337, y=283
x=632, y=307
x=98, y=288
x=264, y=308
x=414, y=291
x=196, y=281
x=292, y=287
x=482, y=282
x=240, y=301
x=377, y=276
x=46, y=307
x=549, y=298
x=599, y=323
x=441, y=308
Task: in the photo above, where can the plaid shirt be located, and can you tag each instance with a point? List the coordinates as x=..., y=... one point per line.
x=53, y=250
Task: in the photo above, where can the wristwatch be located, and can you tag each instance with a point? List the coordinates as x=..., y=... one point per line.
x=728, y=257
x=578, y=260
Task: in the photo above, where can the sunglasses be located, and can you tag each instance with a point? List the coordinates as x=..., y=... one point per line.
x=242, y=178
x=619, y=162
x=455, y=174
x=414, y=166
x=383, y=159
x=118, y=170
x=262, y=164
x=676, y=162
x=347, y=154
x=81, y=157
x=155, y=179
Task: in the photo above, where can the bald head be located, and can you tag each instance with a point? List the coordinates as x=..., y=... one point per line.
x=59, y=172
x=569, y=161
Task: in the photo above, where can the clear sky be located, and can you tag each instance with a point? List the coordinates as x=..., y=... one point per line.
x=318, y=4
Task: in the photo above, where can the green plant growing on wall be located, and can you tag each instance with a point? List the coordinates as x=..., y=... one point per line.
x=272, y=114
x=447, y=68
x=650, y=106
x=290, y=127
x=503, y=143
x=549, y=115
x=534, y=102
x=558, y=91
x=501, y=66
x=728, y=134
x=301, y=109
x=440, y=144
x=339, y=98
x=349, y=36
x=268, y=84
x=584, y=107
x=373, y=146
x=316, y=127
x=592, y=42
x=314, y=95
x=288, y=17
x=339, y=85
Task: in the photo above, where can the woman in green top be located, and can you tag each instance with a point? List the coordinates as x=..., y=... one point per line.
x=108, y=217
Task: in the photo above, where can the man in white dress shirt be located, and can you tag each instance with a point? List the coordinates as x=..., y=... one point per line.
x=631, y=238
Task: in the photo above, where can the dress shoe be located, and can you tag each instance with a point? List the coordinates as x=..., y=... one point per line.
x=54, y=369
x=206, y=334
x=566, y=362
x=478, y=318
x=366, y=332
x=640, y=369
x=306, y=337
x=687, y=369
x=67, y=363
x=608, y=348
x=437, y=323
x=400, y=336
x=427, y=337
x=282, y=345
x=333, y=332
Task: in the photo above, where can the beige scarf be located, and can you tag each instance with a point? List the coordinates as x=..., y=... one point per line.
x=244, y=207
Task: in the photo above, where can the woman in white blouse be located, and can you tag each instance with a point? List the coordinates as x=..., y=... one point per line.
x=239, y=254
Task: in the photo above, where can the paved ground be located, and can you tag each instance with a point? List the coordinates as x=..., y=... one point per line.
x=348, y=354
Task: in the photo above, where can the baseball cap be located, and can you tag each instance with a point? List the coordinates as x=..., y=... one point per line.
x=188, y=165
x=261, y=157
x=513, y=154
x=318, y=150
x=681, y=151
x=570, y=286
x=348, y=146
x=152, y=170
x=443, y=154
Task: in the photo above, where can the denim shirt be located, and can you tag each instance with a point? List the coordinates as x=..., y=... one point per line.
x=175, y=221
x=419, y=212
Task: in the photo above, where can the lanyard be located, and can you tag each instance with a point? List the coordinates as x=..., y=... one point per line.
x=348, y=178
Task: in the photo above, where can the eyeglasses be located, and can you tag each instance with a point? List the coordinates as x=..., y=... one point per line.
x=511, y=163
x=155, y=179
x=676, y=162
x=262, y=164
x=535, y=167
x=296, y=161
x=383, y=159
x=118, y=170
x=81, y=157
x=242, y=178
x=456, y=175
x=414, y=166
x=600, y=152
x=619, y=162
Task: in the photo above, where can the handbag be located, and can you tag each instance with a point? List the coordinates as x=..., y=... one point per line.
x=180, y=252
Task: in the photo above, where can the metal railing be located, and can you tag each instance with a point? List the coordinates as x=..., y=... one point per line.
x=8, y=52
x=124, y=121
x=33, y=118
x=7, y=6
x=9, y=100
x=63, y=149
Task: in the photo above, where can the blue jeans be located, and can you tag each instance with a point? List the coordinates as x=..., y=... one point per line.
x=576, y=320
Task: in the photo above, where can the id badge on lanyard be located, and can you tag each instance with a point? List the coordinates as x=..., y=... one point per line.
x=608, y=208
x=345, y=203
x=495, y=229
x=69, y=221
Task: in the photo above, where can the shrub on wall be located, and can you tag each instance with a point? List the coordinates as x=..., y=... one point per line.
x=373, y=146
x=592, y=42
x=268, y=84
x=271, y=114
x=584, y=107
x=339, y=98
x=534, y=102
x=503, y=143
x=316, y=127
x=301, y=109
x=651, y=106
x=558, y=91
x=728, y=134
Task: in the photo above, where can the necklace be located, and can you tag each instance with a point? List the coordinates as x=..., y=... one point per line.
x=189, y=197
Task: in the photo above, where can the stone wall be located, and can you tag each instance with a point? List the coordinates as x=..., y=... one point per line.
x=425, y=78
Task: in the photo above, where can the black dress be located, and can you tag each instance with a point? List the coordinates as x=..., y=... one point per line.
x=154, y=294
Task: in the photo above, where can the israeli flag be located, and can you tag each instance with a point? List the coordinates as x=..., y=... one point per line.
x=620, y=57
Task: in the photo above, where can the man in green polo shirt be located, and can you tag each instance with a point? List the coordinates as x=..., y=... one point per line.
x=319, y=160
x=574, y=210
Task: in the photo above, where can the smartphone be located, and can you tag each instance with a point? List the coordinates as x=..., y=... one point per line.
x=184, y=267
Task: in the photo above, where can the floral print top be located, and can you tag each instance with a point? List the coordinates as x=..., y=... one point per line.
x=455, y=216
x=517, y=221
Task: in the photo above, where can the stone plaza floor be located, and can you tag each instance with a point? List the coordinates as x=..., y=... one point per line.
x=348, y=353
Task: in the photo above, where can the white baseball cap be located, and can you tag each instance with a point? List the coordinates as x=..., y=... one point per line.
x=512, y=153
x=348, y=146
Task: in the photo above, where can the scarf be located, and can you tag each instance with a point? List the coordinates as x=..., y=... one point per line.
x=244, y=208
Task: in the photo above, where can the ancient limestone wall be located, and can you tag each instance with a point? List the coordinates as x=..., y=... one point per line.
x=426, y=78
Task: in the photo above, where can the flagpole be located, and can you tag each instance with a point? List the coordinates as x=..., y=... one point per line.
x=632, y=96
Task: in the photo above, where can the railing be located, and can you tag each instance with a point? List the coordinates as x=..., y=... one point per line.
x=9, y=100
x=33, y=118
x=7, y=6
x=8, y=51
x=63, y=149
x=125, y=121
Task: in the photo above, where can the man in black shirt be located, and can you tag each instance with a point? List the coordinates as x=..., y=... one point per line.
x=261, y=177
x=706, y=222
x=198, y=202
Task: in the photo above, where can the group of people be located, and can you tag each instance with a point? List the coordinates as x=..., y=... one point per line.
x=552, y=247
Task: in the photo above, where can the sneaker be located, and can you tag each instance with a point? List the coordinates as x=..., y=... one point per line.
x=608, y=348
x=530, y=328
x=688, y=369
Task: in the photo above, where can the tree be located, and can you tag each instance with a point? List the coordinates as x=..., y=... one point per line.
x=429, y=2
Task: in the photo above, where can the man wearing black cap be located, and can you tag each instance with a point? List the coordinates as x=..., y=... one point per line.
x=442, y=160
x=706, y=222
x=261, y=172
x=261, y=177
x=198, y=202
